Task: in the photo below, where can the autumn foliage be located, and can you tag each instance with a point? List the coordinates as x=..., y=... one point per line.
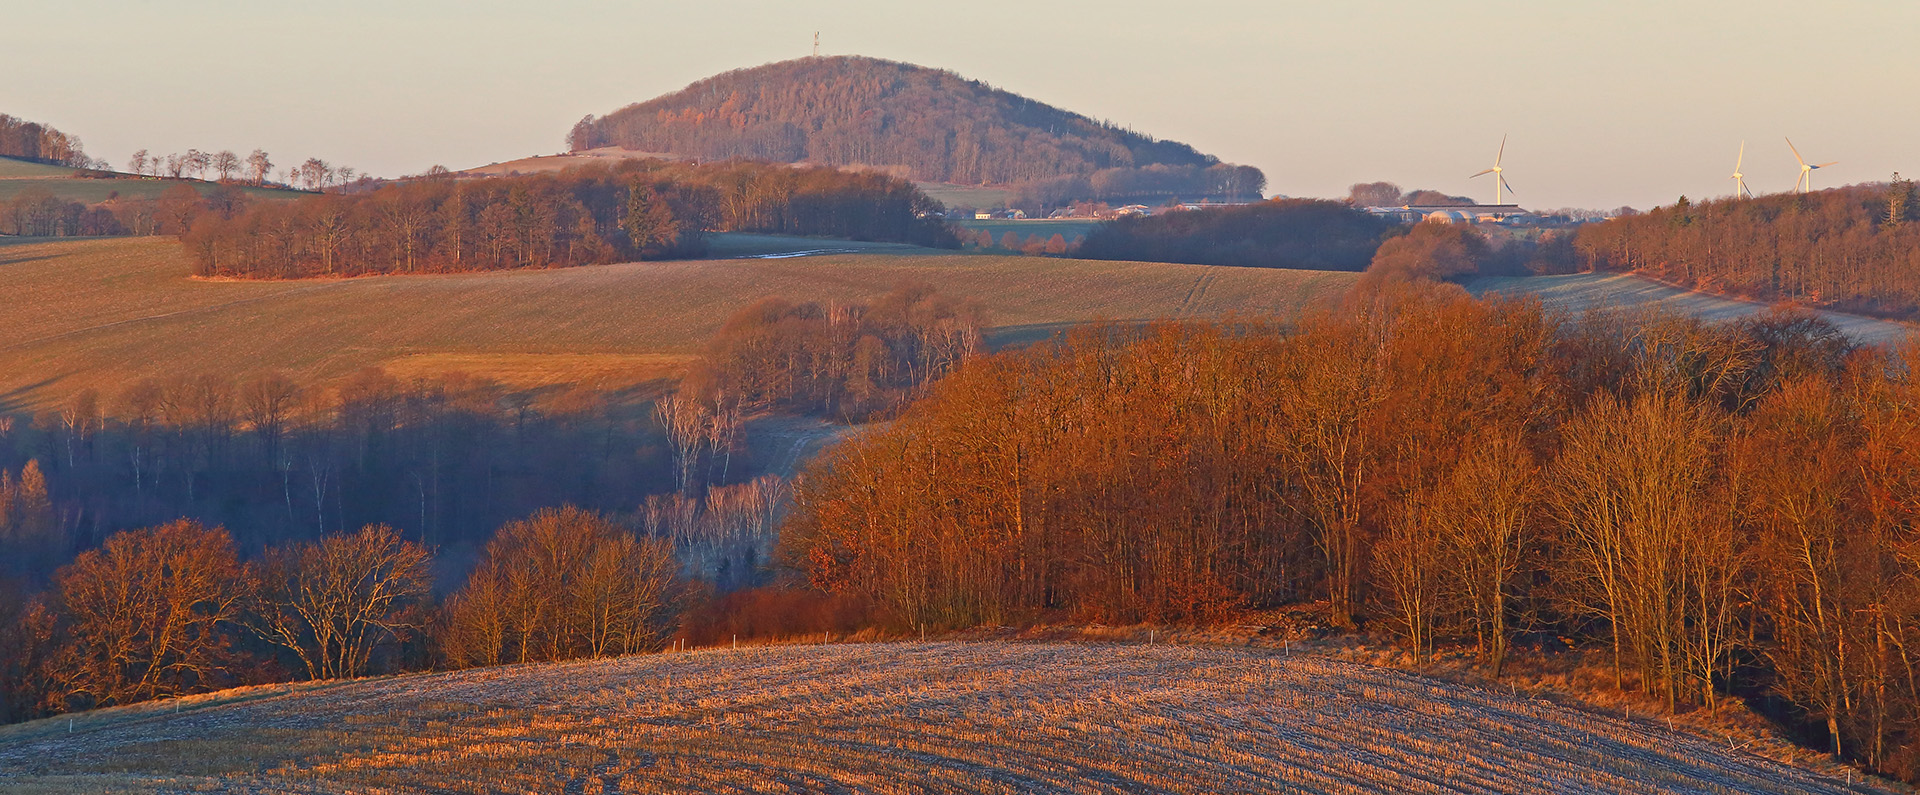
x=1856, y=248
x=1716, y=507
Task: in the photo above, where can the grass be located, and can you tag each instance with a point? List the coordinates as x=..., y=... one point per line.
x=1579, y=292
x=100, y=313
x=938, y=716
x=19, y=176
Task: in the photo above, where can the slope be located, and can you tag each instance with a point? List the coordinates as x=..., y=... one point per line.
x=893, y=717
x=100, y=313
x=1583, y=291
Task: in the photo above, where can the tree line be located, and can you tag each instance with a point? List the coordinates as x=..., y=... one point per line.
x=1856, y=249
x=174, y=609
x=38, y=142
x=1281, y=233
x=36, y=211
x=594, y=214
x=1157, y=183
x=1712, y=508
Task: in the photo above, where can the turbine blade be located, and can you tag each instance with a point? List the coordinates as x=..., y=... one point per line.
x=1742, y=158
x=1824, y=165
x=1503, y=150
x=1482, y=174
x=1508, y=185
x=1796, y=152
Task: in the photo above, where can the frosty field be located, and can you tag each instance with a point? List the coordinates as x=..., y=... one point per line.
x=884, y=718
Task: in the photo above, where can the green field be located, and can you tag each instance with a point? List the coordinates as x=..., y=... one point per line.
x=19, y=176
x=99, y=313
x=933, y=717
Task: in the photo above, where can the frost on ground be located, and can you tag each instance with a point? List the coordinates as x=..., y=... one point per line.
x=885, y=718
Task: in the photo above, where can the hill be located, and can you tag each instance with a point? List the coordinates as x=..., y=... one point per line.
x=893, y=717
x=92, y=187
x=927, y=124
x=100, y=313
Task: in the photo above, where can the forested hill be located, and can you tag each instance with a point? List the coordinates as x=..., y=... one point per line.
x=933, y=124
x=28, y=140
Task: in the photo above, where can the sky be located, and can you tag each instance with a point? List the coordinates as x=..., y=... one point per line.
x=1604, y=103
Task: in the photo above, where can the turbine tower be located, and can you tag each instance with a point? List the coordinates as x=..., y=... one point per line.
x=1740, y=190
x=1499, y=181
x=1806, y=171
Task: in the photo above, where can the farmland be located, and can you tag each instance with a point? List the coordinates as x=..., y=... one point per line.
x=885, y=717
x=101, y=313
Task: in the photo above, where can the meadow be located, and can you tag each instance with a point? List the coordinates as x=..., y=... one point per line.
x=940, y=716
x=102, y=313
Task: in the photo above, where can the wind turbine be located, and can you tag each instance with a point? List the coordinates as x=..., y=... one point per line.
x=1740, y=190
x=1499, y=182
x=1806, y=171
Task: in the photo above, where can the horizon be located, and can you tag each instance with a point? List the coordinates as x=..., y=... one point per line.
x=1632, y=105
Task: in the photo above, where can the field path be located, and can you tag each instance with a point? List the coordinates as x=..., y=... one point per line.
x=993, y=717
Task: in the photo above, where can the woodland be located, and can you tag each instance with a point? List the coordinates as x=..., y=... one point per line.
x=588, y=215
x=1856, y=249
x=1281, y=233
x=929, y=124
x=1714, y=509
x=40, y=143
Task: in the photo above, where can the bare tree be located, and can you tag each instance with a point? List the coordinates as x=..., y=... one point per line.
x=333, y=602
x=258, y=167
x=226, y=164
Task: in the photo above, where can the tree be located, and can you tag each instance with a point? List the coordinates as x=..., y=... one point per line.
x=648, y=221
x=333, y=602
x=258, y=167
x=563, y=584
x=138, y=163
x=146, y=615
x=1375, y=194
x=226, y=164
x=1432, y=250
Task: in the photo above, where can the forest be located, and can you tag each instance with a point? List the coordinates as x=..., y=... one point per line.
x=1710, y=509
x=589, y=215
x=1280, y=233
x=1855, y=249
x=932, y=124
x=40, y=143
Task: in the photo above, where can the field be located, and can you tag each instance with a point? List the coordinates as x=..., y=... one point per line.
x=885, y=718
x=1579, y=292
x=1068, y=228
x=99, y=313
x=18, y=176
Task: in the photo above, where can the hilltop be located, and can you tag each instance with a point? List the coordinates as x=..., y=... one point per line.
x=886, y=717
x=927, y=124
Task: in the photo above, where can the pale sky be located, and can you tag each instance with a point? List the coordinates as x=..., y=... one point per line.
x=1606, y=103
